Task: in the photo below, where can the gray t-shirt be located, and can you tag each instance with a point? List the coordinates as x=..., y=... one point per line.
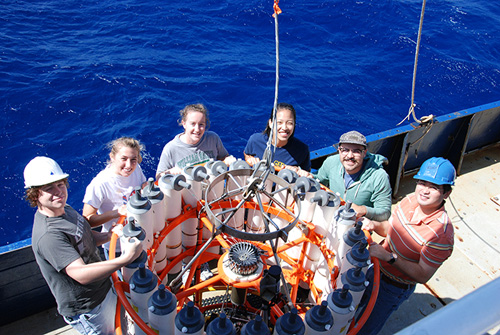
x=180, y=154
x=57, y=242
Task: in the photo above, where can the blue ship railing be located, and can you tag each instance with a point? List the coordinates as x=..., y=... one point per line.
x=450, y=136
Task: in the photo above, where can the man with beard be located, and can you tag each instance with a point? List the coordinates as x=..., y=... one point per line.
x=358, y=176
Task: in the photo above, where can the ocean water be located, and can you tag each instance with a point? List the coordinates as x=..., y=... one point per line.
x=75, y=75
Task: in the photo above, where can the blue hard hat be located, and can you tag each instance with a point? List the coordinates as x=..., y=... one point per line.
x=437, y=170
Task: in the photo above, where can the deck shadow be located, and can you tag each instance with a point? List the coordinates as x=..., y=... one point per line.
x=419, y=305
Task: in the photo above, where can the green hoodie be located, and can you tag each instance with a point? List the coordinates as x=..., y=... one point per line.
x=371, y=189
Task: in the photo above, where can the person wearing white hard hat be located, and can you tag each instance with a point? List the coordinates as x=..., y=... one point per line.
x=418, y=239
x=65, y=249
x=107, y=194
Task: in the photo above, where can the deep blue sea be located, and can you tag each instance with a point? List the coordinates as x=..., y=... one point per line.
x=75, y=75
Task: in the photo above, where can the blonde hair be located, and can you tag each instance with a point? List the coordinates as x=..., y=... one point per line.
x=129, y=142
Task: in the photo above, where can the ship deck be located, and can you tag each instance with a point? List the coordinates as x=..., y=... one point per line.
x=475, y=260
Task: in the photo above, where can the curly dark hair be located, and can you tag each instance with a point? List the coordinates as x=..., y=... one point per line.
x=32, y=193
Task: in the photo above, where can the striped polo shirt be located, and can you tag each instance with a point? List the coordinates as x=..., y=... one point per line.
x=430, y=238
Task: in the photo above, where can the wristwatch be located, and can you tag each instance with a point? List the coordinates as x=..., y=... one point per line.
x=393, y=258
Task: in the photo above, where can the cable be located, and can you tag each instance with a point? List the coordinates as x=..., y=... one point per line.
x=411, y=111
x=270, y=149
x=467, y=225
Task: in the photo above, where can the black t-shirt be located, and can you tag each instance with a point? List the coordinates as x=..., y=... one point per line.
x=57, y=242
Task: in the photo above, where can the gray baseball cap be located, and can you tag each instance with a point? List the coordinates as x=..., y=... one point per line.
x=353, y=137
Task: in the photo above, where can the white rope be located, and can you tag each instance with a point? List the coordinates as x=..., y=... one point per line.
x=411, y=110
x=270, y=149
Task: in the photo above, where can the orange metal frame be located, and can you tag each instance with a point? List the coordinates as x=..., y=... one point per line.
x=293, y=277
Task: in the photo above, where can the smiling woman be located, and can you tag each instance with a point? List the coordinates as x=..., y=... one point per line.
x=107, y=194
x=289, y=152
x=196, y=145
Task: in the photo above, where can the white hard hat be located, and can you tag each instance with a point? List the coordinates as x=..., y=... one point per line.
x=42, y=171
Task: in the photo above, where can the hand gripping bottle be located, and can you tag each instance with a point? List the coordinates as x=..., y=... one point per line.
x=358, y=256
x=139, y=207
x=132, y=230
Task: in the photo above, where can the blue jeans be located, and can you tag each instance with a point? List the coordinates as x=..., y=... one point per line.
x=99, y=321
x=389, y=299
